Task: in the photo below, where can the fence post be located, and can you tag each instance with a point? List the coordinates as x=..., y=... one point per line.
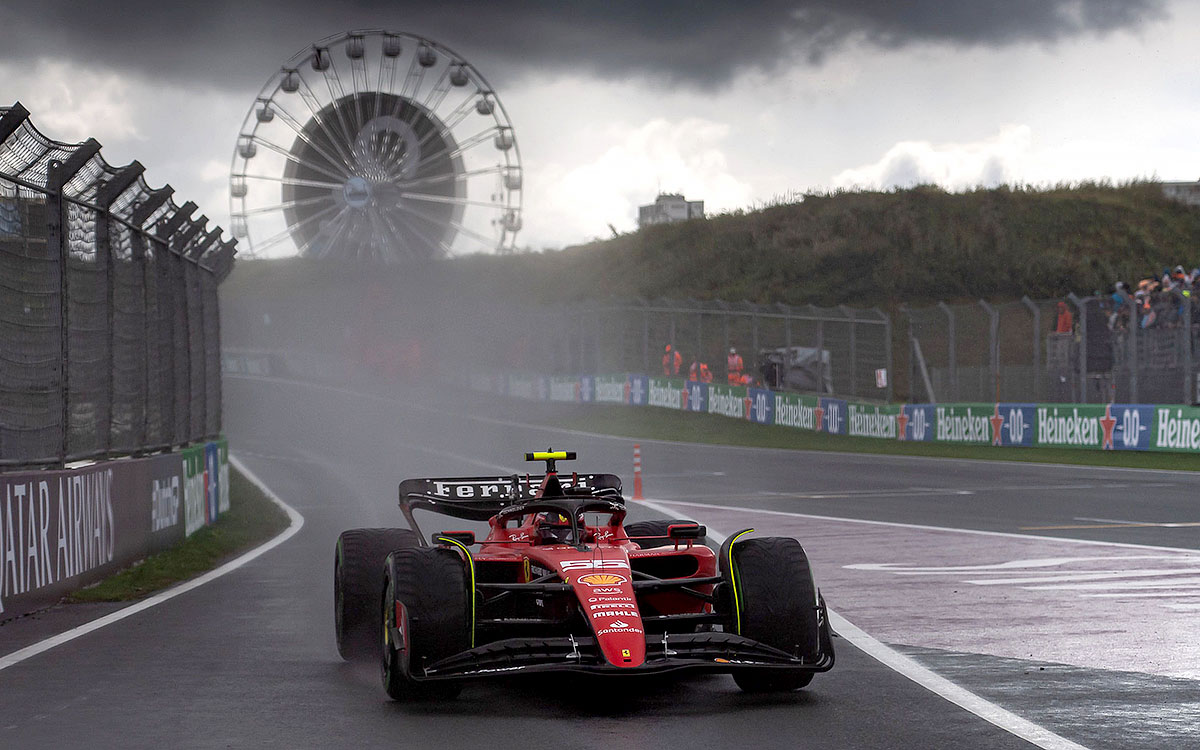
x=58, y=174
x=849, y=313
x=645, y=337
x=105, y=197
x=1081, y=304
x=1189, y=387
x=141, y=251
x=753, y=326
x=952, y=359
x=1037, y=347
x=1131, y=354
x=173, y=276
x=887, y=349
x=787, y=342
x=994, y=345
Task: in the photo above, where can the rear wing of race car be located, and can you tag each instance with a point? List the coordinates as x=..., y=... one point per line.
x=480, y=498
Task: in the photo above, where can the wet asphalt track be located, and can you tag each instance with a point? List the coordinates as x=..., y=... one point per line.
x=248, y=660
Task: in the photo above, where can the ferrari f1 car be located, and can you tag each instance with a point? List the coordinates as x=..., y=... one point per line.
x=561, y=584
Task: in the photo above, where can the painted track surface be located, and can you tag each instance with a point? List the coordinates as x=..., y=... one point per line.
x=249, y=659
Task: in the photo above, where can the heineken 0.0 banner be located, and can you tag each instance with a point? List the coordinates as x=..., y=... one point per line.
x=667, y=392
x=865, y=420
x=611, y=389
x=727, y=400
x=1127, y=427
x=796, y=410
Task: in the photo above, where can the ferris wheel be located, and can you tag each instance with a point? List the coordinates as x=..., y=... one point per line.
x=378, y=146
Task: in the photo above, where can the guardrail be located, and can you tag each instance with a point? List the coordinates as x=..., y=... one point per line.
x=1140, y=427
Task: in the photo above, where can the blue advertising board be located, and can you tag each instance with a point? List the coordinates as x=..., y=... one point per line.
x=762, y=405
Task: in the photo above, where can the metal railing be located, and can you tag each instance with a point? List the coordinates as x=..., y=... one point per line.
x=109, y=325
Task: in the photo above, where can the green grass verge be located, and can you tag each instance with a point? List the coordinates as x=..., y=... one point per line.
x=251, y=519
x=666, y=424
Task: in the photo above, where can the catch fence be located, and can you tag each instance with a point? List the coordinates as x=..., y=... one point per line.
x=825, y=350
x=109, y=324
x=1072, y=350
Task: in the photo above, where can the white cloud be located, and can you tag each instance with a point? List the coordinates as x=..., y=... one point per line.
x=581, y=201
x=955, y=166
x=73, y=105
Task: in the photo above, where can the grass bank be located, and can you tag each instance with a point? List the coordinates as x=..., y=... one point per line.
x=665, y=424
x=252, y=519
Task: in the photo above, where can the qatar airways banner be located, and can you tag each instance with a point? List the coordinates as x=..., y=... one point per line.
x=62, y=530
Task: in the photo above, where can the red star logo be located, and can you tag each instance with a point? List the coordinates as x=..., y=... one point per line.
x=901, y=423
x=625, y=389
x=997, y=424
x=1108, y=423
x=820, y=414
x=685, y=398
x=747, y=403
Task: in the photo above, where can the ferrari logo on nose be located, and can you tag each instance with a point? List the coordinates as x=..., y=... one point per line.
x=625, y=653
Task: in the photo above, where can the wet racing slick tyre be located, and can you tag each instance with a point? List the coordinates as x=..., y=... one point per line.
x=776, y=605
x=655, y=532
x=433, y=585
x=357, y=581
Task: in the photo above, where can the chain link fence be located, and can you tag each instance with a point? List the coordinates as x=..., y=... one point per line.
x=829, y=350
x=109, y=325
x=1073, y=350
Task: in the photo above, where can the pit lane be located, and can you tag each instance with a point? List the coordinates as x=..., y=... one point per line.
x=249, y=658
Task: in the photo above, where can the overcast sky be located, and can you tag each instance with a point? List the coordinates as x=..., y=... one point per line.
x=733, y=103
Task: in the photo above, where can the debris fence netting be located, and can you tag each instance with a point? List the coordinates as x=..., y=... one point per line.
x=109, y=325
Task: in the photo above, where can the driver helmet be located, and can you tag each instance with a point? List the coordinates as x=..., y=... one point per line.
x=553, y=528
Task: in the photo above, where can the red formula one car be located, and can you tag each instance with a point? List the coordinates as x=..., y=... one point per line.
x=561, y=584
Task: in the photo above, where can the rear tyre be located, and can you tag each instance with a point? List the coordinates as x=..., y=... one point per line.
x=655, y=530
x=776, y=604
x=357, y=580
x=432, y=584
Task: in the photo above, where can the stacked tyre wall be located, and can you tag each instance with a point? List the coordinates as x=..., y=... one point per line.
x=1141, y=427
x=64, y=529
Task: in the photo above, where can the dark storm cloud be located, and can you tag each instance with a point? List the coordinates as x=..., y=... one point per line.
x=701, y=43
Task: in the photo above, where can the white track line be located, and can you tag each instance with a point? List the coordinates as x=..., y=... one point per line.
x=924, y=527
x=923, y=676
x=297, y=521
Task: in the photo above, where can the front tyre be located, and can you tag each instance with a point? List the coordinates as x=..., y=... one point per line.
x=431, y=585
x=774, y=601
x=357, y=565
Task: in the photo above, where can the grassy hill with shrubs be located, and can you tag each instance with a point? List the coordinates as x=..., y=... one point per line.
x=856, y=248
x=911, y=246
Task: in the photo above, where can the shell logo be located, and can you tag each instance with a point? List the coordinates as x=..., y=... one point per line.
x=603, y=579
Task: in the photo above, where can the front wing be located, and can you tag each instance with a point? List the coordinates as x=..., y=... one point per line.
x=697, y=652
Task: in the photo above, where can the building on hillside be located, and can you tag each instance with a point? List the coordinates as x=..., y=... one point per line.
x=668, y=208
x=1184, y=192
